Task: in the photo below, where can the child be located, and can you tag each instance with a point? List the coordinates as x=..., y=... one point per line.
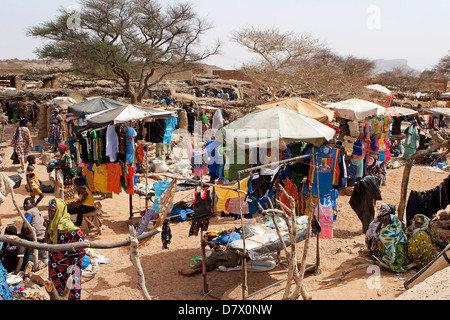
x=33, y=182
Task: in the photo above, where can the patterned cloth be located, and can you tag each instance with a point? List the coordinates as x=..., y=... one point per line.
x=69, y=188
x=5, y=294
x=393, y=249
x=22, y=144
x=421, y=241
x=64, y=263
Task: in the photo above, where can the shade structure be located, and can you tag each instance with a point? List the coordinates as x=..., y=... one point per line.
x=306, y=107
x=95, y=105
x=356, y=109
x=399, y=112
x=379, y=88
x=125, y=114
x=440, y=111
x=264, y=128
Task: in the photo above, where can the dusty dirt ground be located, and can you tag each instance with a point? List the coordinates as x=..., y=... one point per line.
x=118, y=279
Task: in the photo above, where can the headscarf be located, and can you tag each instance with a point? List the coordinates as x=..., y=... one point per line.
x=412, y=229
x=390, y=236
x=63, y=146
x=61, y=222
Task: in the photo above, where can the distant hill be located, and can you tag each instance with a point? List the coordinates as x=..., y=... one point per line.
x=382, y=65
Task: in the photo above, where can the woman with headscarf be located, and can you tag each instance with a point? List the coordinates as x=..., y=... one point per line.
x=66, y=164
x=22, y=143
x=421, y=241
x=393, y=243
x=61, y=264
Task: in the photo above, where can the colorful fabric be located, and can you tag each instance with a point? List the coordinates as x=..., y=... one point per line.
x=166, y=234
x=328, y=169
x=421, y=241
x=61, y=264
x=22, y=144
x=5, y=294
x=394, y=245
x=61, y=222
x=114, y=174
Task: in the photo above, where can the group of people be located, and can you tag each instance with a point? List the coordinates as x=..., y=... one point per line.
x=57, y=229
x=397, y=246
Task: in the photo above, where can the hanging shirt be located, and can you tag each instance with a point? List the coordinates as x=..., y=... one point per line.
x=328, y=169
x=171, y=123
x=129, y=144
x=112, y=143
x=114, y=175
x=88, y=172
x=100, y=178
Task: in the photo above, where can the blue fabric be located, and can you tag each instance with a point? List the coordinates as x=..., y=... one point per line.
x=326, y=168
x=129, y=144
x=5, y=294
x=228, y=238
x=159, y=188
x=214, y=159
x=171, y=124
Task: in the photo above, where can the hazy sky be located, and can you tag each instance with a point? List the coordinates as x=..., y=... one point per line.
x=418, y=31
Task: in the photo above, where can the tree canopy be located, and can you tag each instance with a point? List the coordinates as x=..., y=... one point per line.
x=134, y=42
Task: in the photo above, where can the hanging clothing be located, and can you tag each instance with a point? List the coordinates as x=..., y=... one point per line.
x=129, y=144
x=203, y=211
x=328, y=169
x=426, y=202
x=113, y=179
x=411, y=141
x=166, y=234
x=363, y=199
x=112, y=143
x=170, y=124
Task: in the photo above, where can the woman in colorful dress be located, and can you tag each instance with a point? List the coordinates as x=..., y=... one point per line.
x=393, y=244
x=61, y=264
x=421, y=241
x=22, y=143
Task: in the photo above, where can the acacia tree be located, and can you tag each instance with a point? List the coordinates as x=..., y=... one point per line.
x=136, y=43
x=298, y=64
x=277, y=53
x=442, y=68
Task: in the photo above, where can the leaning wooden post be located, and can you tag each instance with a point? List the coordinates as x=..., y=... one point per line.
x=134, y=257
x=404, y=189
x=29, y=226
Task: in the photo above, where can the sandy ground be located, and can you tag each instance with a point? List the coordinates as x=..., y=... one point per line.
x=118, y=279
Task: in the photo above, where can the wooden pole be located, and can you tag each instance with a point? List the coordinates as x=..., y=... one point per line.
x=244, y=253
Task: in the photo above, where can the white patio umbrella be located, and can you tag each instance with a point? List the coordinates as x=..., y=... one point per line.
x=263, y=128
x=356, y=109
x=379, y=88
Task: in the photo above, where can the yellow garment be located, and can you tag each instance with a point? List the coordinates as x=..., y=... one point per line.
x=101, y=178
x=61, y=222
x=89, y=199
x=89, y=178
x=225, y=194
x=34, y=183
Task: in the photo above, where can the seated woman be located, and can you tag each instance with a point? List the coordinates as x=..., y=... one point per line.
x=372, y=233
x=392, y=243
x=84, y=204
x=421, y=241
x=61, y=264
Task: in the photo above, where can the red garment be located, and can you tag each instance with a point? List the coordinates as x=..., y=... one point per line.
x=129, y=180
x=291, y=189
x=114, y=175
